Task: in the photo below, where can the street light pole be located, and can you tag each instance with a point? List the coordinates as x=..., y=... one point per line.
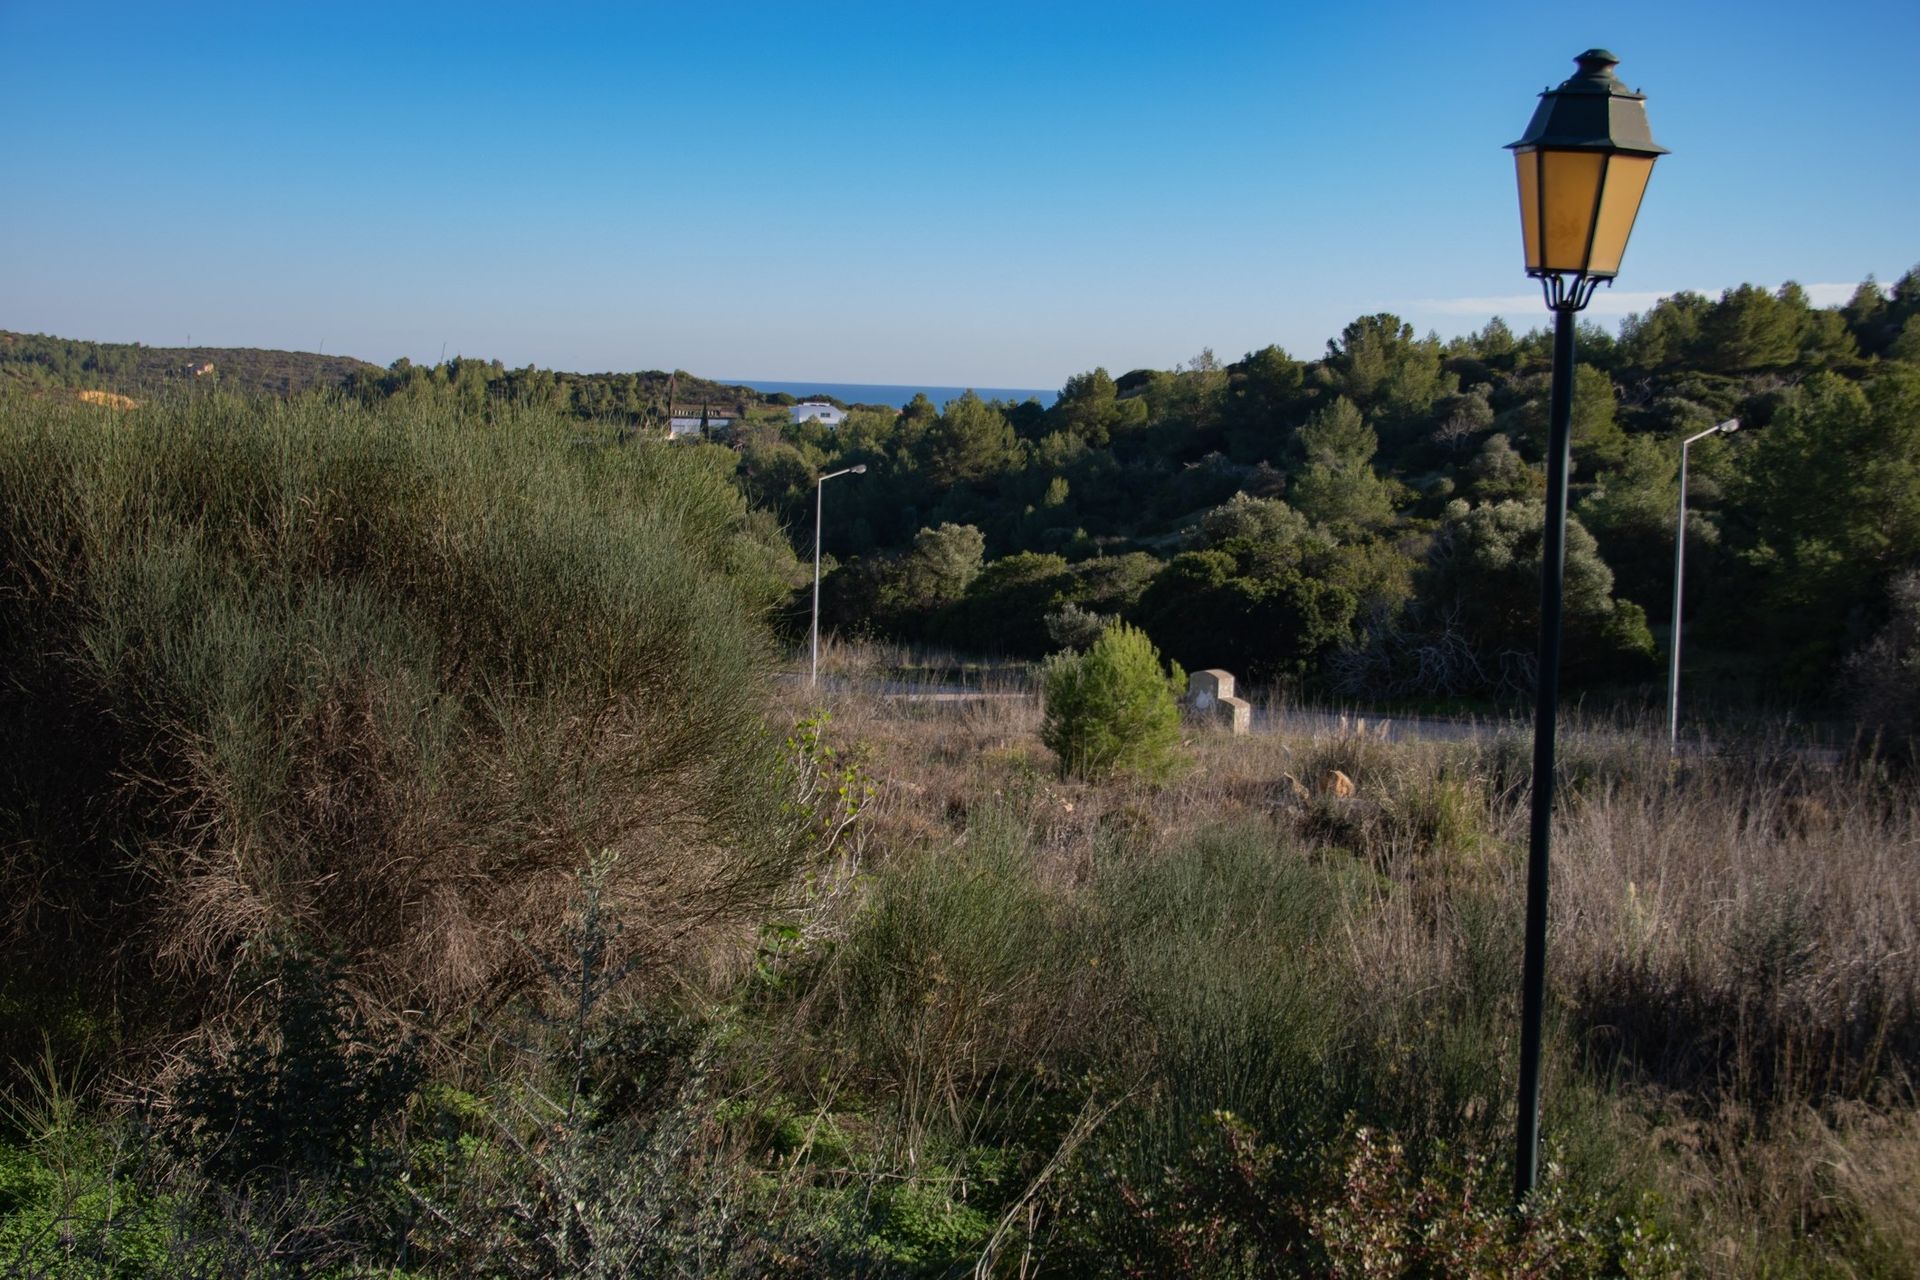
x=819, y=505
x=1582, y=166
x=1679, y=576
x=1553, y=579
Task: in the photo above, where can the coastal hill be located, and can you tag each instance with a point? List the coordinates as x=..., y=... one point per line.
x=41, y=361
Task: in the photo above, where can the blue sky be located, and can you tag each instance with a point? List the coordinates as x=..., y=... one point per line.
x=995, y=195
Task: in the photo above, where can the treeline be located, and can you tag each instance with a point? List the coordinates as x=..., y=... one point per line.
x=35, y=361
x=32, y=361
x=1368, y=523
x=637, y=401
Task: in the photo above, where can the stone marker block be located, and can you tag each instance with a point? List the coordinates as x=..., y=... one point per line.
x=1238, y=713
x=1204, y=688
x=1210, y=698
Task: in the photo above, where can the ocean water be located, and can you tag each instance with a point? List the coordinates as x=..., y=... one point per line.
x=891, y=394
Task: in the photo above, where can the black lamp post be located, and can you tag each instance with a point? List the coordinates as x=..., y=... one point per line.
x=1583, y=166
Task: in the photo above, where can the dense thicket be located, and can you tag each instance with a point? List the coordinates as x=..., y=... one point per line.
x=370, y=682
x=1368, y=521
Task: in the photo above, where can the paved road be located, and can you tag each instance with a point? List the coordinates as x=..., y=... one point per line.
x=1307, y=720
x=1266, y=719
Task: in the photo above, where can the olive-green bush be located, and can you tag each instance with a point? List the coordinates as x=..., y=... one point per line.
x=1113, y=709
x=372, y=679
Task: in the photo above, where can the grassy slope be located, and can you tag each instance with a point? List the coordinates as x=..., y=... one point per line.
x=381, y=682
x=1737, y=992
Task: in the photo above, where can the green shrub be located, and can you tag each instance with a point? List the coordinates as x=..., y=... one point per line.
x=1220, y=950
x=1112, y=708
x=590, y=1149
x=955, y=967
x=373, y=678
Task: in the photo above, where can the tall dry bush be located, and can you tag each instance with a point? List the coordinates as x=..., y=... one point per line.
x=377, y=680
x=1746, y=932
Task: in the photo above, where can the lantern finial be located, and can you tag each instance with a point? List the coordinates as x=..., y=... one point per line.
x=1597, y=63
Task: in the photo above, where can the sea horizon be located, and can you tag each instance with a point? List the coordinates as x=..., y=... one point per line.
x=894, y=394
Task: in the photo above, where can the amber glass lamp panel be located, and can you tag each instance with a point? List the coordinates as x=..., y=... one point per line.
x=1527, y=168
x=1577, y=208
x=1626, y=183
x=1570, y=190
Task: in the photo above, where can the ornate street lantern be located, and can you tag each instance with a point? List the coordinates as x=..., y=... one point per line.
x=1583, y=165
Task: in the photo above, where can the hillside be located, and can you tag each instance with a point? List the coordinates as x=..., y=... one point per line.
x=1362, y=523
x=1365, y=523
x=40, y=360
x=35, y=360
x=401, y=802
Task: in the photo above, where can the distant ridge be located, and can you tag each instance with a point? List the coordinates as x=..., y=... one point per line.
x=45, y=362
x=130, y=368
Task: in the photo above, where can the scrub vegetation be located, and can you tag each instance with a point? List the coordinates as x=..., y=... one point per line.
x=372, y=683
x=413, y=863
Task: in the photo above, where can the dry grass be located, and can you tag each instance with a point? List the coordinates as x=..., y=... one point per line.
x=1733, y=965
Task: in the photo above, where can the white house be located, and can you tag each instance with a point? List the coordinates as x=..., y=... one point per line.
x=818, y=411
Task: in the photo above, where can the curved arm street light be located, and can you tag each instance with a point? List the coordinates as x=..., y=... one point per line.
x=1679, y=576
x=819, y=492
x=1582, y=167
